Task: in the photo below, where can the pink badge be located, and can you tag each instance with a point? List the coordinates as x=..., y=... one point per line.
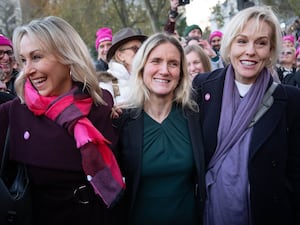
x=207, y=96
x=26, y=135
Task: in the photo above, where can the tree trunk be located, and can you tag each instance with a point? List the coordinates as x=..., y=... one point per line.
x=154, y=15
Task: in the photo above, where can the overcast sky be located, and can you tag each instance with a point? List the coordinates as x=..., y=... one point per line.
x=198, y=12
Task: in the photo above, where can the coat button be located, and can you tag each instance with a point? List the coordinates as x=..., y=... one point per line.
x=274, y=163
x=26, y=135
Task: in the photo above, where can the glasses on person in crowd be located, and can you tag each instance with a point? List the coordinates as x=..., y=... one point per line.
x=286, y=53
x=133, y=48
x=8, y=52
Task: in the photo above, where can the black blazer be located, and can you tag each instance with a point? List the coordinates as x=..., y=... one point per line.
x=130, y=154
x=274, y=160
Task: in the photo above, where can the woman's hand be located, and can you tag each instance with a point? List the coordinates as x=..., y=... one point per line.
x=174, y=4
x=207, y=48
x=116, y=111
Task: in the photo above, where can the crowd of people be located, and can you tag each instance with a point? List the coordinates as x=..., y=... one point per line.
x=156, y=131
x=288, y=66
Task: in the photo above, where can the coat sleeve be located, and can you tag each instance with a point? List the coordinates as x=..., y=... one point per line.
x=293, y=117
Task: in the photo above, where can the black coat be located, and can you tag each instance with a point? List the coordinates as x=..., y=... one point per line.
x=6, y=96
x=274, y=154
x=101, y=65
x=294, y=79
x=130, y=145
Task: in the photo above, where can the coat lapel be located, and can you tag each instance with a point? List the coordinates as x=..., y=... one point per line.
x=266, y=125
x=195, y=131
x=134, y=145
x=210, y=100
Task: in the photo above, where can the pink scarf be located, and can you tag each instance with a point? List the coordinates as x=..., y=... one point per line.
x=98, y=161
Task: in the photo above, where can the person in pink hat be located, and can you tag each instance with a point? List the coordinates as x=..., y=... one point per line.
x=296, y=78
x=102, y=43
x=288, y=41
x=215, y=38
x=7, y=62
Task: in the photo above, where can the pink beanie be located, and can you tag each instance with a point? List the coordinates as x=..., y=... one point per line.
x=5, y=41
x=103, y=34
x=289, y=38
x=216, y=33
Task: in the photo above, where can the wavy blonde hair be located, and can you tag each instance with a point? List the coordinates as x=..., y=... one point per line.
x=55, y=36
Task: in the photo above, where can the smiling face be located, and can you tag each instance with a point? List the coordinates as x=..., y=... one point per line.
x=194, y=63
x=287, y=57
x=216, y=43
x=103, y=49
x=162, y=71
x=6, y=60
x=46, y=73
x=251, y=51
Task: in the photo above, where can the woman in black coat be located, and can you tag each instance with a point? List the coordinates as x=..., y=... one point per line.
x=161, y=153
x=251, y=129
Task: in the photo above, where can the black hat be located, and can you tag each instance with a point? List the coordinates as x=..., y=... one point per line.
x=121, y=37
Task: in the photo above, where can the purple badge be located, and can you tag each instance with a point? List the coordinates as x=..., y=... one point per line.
x=207, y=96
x=26, y=135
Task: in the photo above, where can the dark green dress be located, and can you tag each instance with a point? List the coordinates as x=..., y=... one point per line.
x=166, y=191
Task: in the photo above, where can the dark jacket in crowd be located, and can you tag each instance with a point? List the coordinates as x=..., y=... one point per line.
x=10, y=93
x=101, y=65
x=6, y=96
x=294, y=79
x=285, y=76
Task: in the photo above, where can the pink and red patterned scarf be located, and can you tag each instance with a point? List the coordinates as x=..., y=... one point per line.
x=70, y=111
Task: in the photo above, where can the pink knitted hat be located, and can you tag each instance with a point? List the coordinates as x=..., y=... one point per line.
x=289, y=38
x=5, y=41
x=216, y=33
x=103, y=34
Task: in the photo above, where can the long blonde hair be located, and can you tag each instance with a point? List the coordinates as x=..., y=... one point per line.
x=56, y=36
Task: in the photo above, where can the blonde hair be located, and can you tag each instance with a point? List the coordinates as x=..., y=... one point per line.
x=139, y=93
x=55, y=36
x=202, y=55
x=238, y=22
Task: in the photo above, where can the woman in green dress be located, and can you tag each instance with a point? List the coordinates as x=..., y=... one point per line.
x=160, y=145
